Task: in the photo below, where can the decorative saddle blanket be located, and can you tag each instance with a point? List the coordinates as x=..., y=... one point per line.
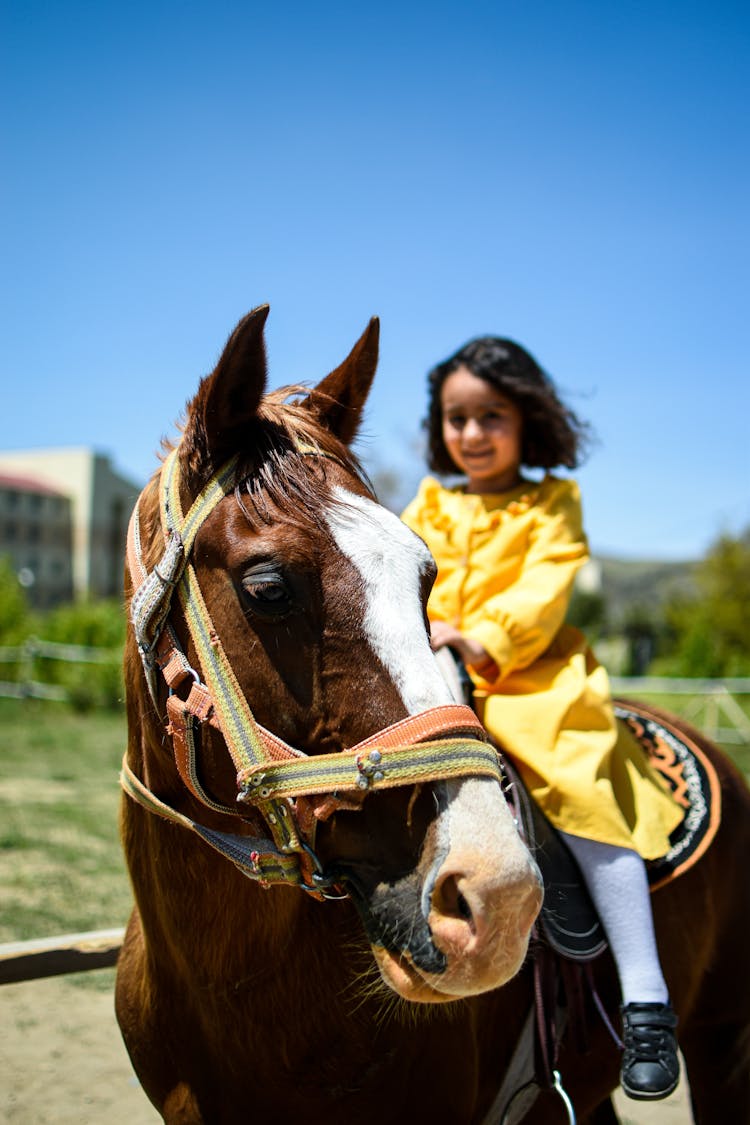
x=568, y=920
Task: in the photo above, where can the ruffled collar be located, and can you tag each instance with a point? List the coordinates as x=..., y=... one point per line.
x=443, y=505
x=514, y=501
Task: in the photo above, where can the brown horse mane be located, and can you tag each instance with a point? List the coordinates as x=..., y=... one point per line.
x=283, y=472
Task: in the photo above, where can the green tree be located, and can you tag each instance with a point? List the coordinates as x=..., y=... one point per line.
x=641, y=630
x=588, y=612
x=712, y=631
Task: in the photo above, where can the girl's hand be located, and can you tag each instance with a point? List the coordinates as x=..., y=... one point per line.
x=471, y=652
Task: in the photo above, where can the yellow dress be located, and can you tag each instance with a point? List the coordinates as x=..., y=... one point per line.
x=506, y=567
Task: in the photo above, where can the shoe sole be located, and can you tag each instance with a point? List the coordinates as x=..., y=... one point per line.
x=641, y=1096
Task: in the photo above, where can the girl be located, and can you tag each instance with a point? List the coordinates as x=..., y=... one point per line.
x=508, y=549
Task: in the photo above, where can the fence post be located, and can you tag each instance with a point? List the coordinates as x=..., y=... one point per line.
x=712, y=703
x=26, y=667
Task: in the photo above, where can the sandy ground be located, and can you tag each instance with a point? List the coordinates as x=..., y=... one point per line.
x=62, y=1062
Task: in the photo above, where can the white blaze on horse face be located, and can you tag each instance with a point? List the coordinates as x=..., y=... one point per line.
x=476, y=854
x=391, y=560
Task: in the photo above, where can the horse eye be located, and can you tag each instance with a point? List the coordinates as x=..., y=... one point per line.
x=268, y=597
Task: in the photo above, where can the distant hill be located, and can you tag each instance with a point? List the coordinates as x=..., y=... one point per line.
x=627, y=584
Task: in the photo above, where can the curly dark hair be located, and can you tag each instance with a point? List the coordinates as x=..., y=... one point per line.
x=552, y=434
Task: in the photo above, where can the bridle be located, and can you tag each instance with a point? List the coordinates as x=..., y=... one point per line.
x=289, y=789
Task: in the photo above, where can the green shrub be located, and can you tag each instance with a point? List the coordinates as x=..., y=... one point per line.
x=14, y=608
x=95, y=624
x=98, y=625
x=92, y=687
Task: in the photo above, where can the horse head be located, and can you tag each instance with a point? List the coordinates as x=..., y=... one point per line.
x=279, y=614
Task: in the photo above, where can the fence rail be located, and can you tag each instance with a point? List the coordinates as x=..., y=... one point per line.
x=55, y=956
x=26, y=655
x=685, y=685
x=713, y=708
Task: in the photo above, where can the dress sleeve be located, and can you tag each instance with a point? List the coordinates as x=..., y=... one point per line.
x=520, y=623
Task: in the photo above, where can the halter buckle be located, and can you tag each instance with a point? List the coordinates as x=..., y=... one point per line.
x=371, y=768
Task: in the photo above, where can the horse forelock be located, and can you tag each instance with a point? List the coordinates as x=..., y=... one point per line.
x=283, y=472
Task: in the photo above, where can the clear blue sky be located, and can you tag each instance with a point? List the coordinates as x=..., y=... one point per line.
x=574, y=175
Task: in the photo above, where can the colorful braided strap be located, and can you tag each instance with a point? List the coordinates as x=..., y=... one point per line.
x=377, y=768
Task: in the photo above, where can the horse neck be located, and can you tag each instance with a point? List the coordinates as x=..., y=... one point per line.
x=176, y=876
x=213, y=931
x=199, y=914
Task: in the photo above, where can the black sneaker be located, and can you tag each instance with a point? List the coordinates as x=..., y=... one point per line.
x=650, y=1066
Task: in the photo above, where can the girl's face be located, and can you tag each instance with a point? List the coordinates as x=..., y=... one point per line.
x=482, y=431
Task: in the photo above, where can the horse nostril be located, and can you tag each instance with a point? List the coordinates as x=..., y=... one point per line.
x=449, y=900
x=463, y=908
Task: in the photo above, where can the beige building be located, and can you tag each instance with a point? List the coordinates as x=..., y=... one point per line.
x=36, y=536
x=63, y=522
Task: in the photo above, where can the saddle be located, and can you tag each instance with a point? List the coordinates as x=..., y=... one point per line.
x=568, y=921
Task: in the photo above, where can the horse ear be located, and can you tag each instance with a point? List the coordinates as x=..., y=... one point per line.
x=338, y=400
x=227, y=400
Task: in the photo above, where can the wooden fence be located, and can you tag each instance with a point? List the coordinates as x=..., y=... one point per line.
x=27, y=657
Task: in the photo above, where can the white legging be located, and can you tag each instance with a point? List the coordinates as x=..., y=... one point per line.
x=617, y=882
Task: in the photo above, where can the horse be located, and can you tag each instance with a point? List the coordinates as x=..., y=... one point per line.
x=333, y=903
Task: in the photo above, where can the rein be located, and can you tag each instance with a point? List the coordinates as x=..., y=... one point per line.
x=291, y=790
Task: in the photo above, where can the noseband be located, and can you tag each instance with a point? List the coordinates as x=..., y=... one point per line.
x=291, y=790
